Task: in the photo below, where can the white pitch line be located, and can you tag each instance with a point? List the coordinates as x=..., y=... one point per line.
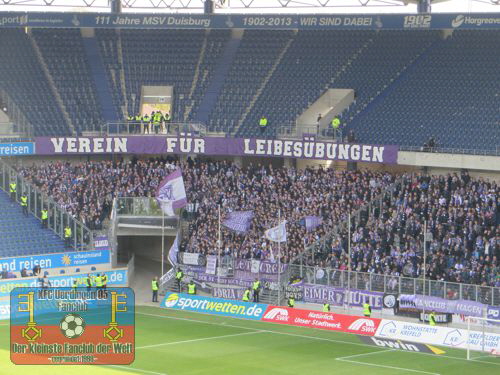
x=364, y=354
x=385, y=366
x=200, y=339
x=306, y=337
x=138, y=370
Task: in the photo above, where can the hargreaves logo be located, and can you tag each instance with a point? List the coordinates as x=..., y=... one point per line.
x=172, y=300
x=277, y=314
x=458, y=21
x=475, y=21
x=362, y=325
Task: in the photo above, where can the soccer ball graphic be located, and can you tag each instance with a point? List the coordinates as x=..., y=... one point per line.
x=72, y=326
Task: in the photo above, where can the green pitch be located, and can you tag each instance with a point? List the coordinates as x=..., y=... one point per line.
x=172, y=342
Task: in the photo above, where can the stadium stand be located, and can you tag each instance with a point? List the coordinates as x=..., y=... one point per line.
x=64, y=54
x=232, y=82
x=452, y=97
x=23, y=78
x=17, y=243
x=162, y=57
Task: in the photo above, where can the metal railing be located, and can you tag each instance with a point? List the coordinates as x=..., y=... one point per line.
x=396, y=284
x=141, y=128
x=58, y=217
x=299, y=131
x=137, y=206
x=450, y=150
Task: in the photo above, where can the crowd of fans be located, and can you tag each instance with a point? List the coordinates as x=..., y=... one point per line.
x=290, y=193
x=462, y=213
x=463, y=233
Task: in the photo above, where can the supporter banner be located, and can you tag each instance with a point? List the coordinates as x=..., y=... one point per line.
x=440, y=318
x=101, y=243
x=211, y=264
x=55, y=260
x=390, y=300
x=340, y=296
x=252, y=21
x=445, y=336
x=228, y=293
x=321, y=320
x=192, y=258
x=264, y=267
x=17, y=148
x=493, y=312
x=115, y=278
x=216, y=306
x=465, y=307
x=301, y=149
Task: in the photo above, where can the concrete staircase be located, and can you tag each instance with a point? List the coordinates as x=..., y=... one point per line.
x=214, y=88
x=98, y=71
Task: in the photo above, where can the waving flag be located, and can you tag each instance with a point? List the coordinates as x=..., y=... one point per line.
x=239, y=221
x=174, y=250
x=278, y=233
x=171, y=193
x=312, y=222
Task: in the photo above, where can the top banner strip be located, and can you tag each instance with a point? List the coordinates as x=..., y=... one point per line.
x=475, y=21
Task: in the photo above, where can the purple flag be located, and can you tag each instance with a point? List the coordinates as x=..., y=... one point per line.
x=171, y=193
x=239, y=221
x=312, y=222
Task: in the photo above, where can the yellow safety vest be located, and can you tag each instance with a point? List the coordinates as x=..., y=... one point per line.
x=24, y=200
x=432, y=319
x=366, y=309
x=263, y=122
x=256, y=285
x=246, y=296
x=179, y=275
x=67, y=232
x=291, y=302
x=335, y=123
x=45, y=214
x=13, y=187
x=326, y=307
x=98, y=281
x=154, y=285
x=191, y=289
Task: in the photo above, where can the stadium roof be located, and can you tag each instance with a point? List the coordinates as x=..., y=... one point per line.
x=255, y=6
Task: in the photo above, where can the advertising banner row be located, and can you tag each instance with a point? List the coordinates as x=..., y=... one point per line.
x=273, y=314
x=445, y=336
x=308, y=148
x=252, y=21
x=383, y=328
x=56, y=260
x=17, y=148
x=115, y=278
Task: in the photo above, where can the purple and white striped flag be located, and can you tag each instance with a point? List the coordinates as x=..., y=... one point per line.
x=171, y=193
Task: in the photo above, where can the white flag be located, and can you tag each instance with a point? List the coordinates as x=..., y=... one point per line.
x=171, y=193
x=278, y=233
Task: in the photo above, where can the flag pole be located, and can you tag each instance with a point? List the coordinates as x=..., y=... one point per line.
x=425, y=256
x=279, y=257
x=219, y=248
x=348, y=260
x=162, y=241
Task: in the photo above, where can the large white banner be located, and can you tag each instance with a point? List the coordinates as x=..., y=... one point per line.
x=445, y=336
x=211, y=264
x=191, y=258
